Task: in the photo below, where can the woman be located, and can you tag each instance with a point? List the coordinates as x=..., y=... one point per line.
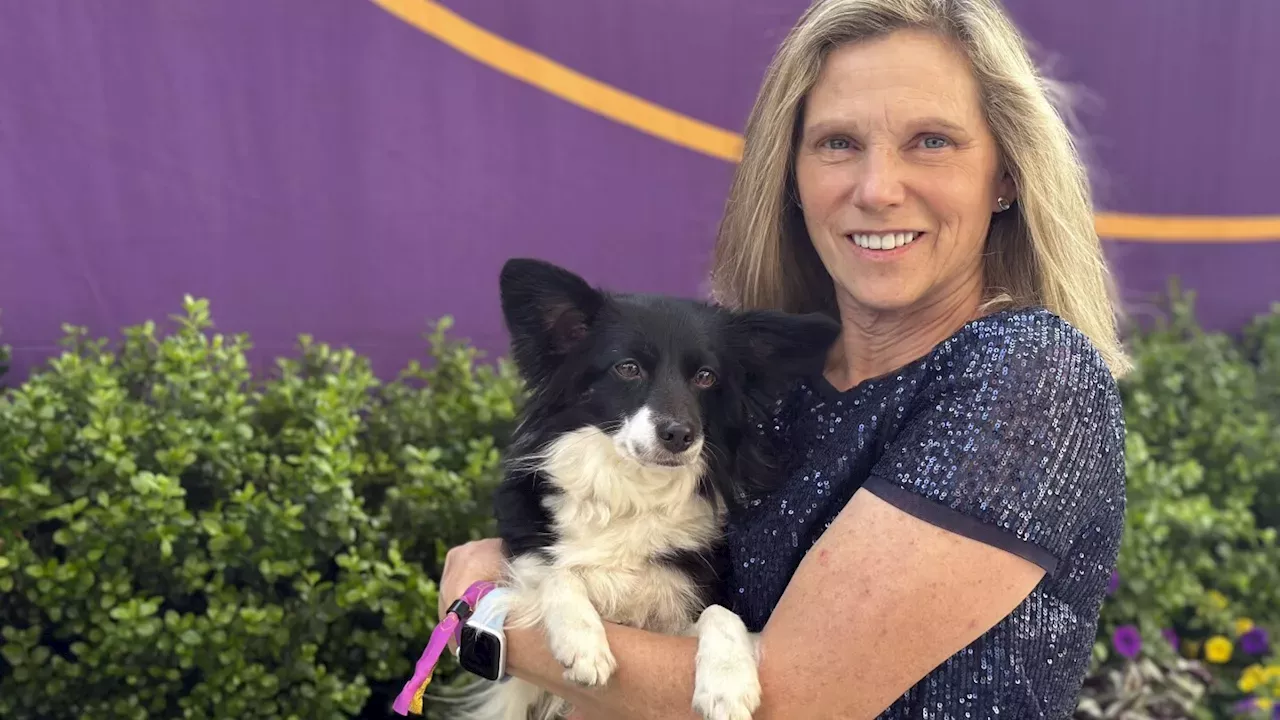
x=955, y=491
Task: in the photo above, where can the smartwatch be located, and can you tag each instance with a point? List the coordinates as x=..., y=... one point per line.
x=482, y=647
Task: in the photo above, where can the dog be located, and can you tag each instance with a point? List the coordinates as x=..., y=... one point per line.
x=642, y=429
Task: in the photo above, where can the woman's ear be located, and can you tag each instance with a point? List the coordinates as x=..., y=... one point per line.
x=1006, y=192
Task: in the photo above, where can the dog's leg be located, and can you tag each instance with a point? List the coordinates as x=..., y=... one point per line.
x=574, y=629
x=726, y=683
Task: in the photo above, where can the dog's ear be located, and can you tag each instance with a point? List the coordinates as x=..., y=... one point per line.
x=548, y=311
x=776, y=343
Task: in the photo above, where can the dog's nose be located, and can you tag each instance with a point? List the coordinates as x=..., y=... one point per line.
x=676, y=436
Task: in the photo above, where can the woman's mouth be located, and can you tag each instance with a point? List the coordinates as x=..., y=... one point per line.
x=884, y=241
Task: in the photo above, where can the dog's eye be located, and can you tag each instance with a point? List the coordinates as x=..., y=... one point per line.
x=627, y=369
x=705, y=378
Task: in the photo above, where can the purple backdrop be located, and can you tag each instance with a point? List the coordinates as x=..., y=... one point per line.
x=324, y=167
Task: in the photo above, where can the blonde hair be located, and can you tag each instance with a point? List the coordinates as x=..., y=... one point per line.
x=1045, y=252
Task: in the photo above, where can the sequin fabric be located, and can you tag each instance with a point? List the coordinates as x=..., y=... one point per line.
x=1010, y=432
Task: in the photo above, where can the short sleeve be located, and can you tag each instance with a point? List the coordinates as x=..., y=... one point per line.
x=1018, y=440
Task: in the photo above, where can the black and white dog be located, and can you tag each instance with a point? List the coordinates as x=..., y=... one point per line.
x=640, y=432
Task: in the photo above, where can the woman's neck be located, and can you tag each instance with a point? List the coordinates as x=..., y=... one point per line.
x=876, y=343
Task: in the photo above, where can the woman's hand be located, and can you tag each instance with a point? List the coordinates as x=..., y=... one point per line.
x=465, y=564
x=472, y=562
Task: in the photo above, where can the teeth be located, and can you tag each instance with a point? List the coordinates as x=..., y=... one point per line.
x=886, y=241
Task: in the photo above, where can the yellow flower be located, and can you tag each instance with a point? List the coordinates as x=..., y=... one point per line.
x=1270, y=676
x=1263, y=704
x=1252, y=677
x=1217, y=600
x=1217, y=649
x=1243, y=625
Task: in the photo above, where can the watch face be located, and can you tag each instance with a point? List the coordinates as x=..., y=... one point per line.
x=480, y=653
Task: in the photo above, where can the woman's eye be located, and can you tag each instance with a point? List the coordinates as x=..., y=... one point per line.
x=627, y=369
x=837, y=144
x=934, y=142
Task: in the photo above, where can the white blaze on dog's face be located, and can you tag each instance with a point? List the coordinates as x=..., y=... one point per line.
x=650, y=438
x=660, y=389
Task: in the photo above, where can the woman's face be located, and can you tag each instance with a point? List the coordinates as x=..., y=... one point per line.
x=898, y=174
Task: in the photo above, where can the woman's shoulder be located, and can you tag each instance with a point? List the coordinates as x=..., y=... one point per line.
x=1034, y=332
x=1017, y=424
x=1022, y=372
x=1027, y=346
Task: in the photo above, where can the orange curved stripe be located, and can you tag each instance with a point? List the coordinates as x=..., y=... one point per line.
x=590, y=94
x=564, y=82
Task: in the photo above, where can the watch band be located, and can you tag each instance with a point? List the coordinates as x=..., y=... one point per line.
x=484, y=636
x=410, y=698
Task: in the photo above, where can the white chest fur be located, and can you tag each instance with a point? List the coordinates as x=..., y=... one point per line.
x=615, y=519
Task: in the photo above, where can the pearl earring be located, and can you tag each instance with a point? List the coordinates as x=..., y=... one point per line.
x=1002, y=204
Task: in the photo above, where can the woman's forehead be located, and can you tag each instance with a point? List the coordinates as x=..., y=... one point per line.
x=900, y=78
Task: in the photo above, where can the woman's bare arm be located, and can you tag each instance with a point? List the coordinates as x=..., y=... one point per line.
x=879, y=601
x=645, y=660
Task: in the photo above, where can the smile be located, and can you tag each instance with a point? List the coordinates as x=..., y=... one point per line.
x=883, y=241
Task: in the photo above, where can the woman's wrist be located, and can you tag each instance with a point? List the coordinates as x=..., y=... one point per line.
x=522, y=647
x=653, y=679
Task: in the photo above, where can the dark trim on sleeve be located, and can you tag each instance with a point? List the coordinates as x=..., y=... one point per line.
x=957, y=522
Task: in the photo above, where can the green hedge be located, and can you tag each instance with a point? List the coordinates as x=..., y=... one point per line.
x=185, y=537
x=184, y=540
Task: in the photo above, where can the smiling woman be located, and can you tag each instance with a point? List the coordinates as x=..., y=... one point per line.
x=952, y=495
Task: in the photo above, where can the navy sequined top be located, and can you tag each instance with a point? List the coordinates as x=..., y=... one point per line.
x=1010, y=432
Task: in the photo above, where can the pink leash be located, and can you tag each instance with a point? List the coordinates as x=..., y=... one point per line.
x=410, y=698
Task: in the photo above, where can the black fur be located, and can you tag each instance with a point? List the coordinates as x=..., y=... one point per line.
x=567, y=339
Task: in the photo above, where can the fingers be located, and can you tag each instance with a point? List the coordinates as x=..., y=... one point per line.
x=466, y=564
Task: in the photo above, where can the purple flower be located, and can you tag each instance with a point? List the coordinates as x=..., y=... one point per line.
x=1115, y=582
x=1170, y=635
x=1249, y=704
x=1245, y=706
x=1255, y=642
x=1127, y=640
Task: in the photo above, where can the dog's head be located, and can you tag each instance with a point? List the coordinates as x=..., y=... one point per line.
x=665, y=377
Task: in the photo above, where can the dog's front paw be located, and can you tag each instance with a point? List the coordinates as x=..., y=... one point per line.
x=728, y=690
x=583, y=649
x=719, y=704
x=727, y=684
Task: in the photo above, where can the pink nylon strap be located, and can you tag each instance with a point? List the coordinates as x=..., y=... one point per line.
x=449, y=626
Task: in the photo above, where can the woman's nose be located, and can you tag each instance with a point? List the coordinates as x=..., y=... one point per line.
x=879, y=182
